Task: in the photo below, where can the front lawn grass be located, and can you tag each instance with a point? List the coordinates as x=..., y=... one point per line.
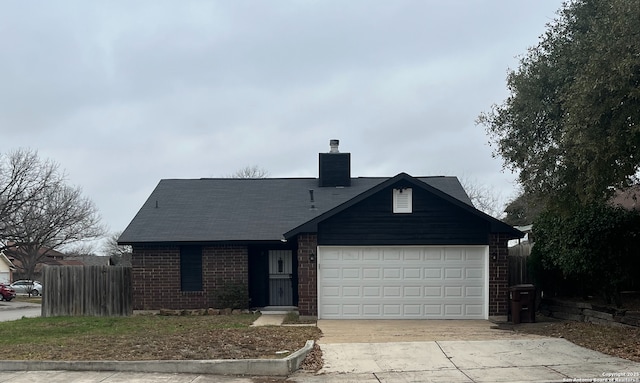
x=147, y=338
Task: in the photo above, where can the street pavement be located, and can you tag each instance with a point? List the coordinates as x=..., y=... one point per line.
x=15, y=310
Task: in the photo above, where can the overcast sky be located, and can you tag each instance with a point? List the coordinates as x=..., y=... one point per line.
x=124, y=93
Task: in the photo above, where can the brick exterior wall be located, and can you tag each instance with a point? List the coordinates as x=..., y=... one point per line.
x=307, y=275
x=498, y=275
x=156, y=276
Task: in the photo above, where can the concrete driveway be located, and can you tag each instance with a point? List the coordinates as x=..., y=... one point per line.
x=383, y=331
x=454, y=351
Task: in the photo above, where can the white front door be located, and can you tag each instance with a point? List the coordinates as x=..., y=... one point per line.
x=408, y=282
x=280, y=278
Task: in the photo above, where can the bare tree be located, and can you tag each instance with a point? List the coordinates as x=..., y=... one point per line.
x=23, y=179
x=248, y=171
x=483, y=197
x=80, y=249
x=118, y=254
x=39, y=211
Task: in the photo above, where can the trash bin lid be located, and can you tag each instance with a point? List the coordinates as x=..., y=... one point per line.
x=524, y=287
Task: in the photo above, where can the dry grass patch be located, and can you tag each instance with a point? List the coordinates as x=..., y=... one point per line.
x=149, y=338
x=623, y=342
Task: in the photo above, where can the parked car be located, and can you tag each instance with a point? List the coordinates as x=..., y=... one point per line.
x=6, y=292
x=24, y=286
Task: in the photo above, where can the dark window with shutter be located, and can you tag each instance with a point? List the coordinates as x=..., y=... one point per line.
x=191, y=268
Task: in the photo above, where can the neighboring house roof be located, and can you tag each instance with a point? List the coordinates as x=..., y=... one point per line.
x=50, y=252
x=88, y=260
x=50, y=261
x=263, y=209
x=627, y=198
x=62, y=262
x=7, y=261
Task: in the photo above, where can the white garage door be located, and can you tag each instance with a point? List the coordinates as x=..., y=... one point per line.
x=403, y=282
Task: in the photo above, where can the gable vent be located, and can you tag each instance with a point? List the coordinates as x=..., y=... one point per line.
x=402, y=200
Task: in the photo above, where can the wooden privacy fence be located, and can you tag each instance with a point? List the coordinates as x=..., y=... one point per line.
x=518, y=269
x=87, y=291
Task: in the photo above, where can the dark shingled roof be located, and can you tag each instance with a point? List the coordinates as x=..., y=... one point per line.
x=227, y=209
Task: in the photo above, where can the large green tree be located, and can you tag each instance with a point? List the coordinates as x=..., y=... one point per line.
x=596, y=248
x=523, y=209
x=571, y=124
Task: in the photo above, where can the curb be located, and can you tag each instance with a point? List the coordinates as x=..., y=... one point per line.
x=265, y=367
x=12, y=307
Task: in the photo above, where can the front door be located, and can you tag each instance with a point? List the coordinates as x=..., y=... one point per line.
x=280, y=278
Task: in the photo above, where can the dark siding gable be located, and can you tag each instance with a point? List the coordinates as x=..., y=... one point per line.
x=434, y=221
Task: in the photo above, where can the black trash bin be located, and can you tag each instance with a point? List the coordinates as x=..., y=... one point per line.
x=523, y=303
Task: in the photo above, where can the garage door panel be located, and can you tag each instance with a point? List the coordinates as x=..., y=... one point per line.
x=433, y=292
x=473, y=273
x=371, y=273
x=474, y=256
x=473, y=291
x=409, y=255
x=371, y=254
x=433, y=273
x=412, y=273
x=392, y=309
x=453, y=291
x=453, y=273
x=433, y=254
x=412, y=310
x=391, y=292
x=412, y=292
x=351, y=273
x=331, y=255
x=351, y=292
x=371, y=310
x=348, y=255
x=397, y=282
x=391, y=273
x=391, y=255
x=473, y=310
x=433, y=311
x=454, y=254
x=331, y=273
x=332, y=291
x=372, y=292
x=453, y=310
x=330, y=310
x=351, y=310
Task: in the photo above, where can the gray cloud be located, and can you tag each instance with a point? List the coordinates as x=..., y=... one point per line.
x=122, y=93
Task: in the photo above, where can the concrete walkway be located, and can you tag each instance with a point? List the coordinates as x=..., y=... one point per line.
x=270, y=318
